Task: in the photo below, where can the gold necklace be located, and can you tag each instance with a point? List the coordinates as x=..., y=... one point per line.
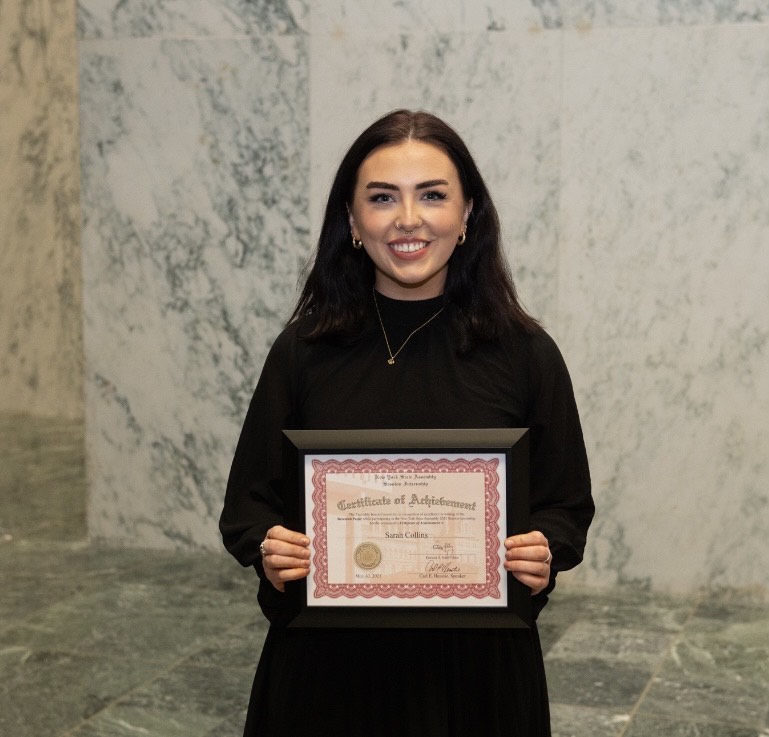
x=391, y=360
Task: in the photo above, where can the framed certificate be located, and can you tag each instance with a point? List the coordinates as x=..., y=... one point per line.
x=407, y=527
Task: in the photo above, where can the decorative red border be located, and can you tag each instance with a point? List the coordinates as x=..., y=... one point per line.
x=489, y=589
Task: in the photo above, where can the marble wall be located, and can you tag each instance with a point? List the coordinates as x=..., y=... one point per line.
x=195, y=167
x=626, y=144
x=41, y=351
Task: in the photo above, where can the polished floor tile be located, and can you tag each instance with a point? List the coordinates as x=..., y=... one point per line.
x=103, y=642
x=42, y=479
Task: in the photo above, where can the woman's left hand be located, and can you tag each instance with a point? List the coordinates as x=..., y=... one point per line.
x=528, y=558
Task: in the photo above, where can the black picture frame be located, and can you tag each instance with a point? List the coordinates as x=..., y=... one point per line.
x=511, y=443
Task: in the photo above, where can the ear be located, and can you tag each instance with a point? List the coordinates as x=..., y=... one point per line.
x=468, y=210
x=351, y=220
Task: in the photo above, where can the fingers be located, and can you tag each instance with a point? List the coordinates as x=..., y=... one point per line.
x=285, y=556
x=278, y=576
x=535, y=575
x=531, y=546
x=528, y=558
x=526, y=539
x=287, y=543
x=535, y=583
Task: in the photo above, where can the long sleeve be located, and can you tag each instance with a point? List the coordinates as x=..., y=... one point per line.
x=254, y=498
x=561, y=501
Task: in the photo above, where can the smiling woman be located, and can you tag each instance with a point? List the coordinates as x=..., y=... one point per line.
x=408, y=319
x=409, y=212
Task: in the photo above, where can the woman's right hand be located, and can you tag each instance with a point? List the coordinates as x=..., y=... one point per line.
x=285, y=556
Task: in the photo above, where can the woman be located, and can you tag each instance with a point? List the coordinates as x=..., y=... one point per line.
x=408, y=319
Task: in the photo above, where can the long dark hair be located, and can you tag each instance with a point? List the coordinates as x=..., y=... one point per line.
x=479, y=289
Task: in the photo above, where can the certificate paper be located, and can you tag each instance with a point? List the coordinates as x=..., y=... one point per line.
x=407, y=527
x=388, y=530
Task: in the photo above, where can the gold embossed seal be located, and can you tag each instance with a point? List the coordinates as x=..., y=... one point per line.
x=368, y=555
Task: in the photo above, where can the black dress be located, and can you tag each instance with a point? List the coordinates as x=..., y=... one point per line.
x=406, y=682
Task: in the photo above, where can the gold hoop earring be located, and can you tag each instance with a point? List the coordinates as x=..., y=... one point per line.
x=462, y=238
x=356, y=243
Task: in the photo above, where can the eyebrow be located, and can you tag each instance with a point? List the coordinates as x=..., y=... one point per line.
x=421, y=185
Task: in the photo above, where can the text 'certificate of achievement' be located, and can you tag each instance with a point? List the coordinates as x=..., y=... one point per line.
x=389, y=529
x=407, y=529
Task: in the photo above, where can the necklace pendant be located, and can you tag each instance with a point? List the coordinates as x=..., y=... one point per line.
x=391, y=360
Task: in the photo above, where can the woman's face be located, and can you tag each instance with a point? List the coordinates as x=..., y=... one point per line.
x=409, y=210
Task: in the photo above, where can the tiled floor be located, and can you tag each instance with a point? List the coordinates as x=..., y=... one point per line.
x=112, y=643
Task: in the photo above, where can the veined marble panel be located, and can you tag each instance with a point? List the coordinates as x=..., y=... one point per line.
x=189, y=18
x=40, y=285
x=500, y=90
x=195, y=198
x=664, y=300
x=584, y=14
x=342, y=18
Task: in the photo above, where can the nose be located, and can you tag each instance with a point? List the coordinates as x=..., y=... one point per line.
x=408, y=219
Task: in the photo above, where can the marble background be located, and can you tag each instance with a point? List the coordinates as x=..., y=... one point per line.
x=41, y=344
x=195, y=228
x=626, y=144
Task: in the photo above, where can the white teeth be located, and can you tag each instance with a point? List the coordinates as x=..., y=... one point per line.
x=408, y=247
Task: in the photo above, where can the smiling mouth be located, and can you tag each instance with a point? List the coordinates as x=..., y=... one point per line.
x=408, y=247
